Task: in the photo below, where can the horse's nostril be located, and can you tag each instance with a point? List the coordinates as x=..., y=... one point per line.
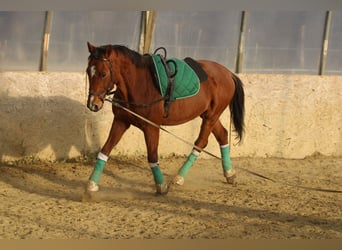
x=93, y=107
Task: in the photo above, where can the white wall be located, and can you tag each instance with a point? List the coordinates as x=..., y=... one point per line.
x=44, y=115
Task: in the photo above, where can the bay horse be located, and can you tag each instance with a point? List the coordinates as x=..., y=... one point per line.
x=126, y=73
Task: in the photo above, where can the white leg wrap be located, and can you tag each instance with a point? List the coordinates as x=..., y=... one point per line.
x=153, y=164
x=195, y=152
x=102, y=156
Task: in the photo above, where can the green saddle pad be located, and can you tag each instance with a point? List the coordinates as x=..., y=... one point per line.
x=186, y=82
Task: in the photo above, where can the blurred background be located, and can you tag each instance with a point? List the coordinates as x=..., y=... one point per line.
x=286, y=42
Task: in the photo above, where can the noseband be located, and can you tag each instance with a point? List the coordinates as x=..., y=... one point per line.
x=109, y=90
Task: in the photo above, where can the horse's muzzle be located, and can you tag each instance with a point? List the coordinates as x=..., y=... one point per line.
x=94, y=104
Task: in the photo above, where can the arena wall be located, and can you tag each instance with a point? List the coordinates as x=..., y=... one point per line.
x=44, y=115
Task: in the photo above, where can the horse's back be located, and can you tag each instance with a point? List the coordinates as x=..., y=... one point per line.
x=219, y=77
x=216, y=70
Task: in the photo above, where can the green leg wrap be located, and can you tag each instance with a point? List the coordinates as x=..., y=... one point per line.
x=226, y=162
x=96, y=174
x=183, y=171
x=157, y=174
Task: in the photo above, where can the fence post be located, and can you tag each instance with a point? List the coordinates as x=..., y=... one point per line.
x=46, y=40
x=324, y=50
x=147, y=25
x=241, y=46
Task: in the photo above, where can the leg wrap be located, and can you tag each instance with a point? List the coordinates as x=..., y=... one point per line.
x=225, y=154
x=98, y=169
x=183, y=171
x=157, y=174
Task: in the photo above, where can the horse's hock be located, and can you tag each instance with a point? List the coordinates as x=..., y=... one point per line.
x=44, y=115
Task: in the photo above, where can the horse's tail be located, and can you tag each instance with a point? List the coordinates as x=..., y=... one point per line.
x=237, y=107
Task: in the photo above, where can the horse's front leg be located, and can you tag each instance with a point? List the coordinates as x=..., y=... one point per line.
x=117, y=130
x=152, y=141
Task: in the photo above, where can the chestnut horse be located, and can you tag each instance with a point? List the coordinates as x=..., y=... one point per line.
x=126, y=73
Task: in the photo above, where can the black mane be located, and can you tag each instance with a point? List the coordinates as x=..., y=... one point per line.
x=136, y=58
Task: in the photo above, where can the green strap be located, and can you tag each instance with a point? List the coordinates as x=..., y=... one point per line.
x=183, y=171
x=98, y=169
x=226, y=162
x=157, y=174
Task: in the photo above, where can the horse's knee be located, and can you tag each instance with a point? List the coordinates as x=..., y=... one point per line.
x=152, y=141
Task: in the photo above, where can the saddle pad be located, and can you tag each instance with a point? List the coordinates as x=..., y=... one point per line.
x=186, y=82
x=202, y=75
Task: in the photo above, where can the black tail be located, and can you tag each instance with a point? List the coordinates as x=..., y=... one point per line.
x=237, y=107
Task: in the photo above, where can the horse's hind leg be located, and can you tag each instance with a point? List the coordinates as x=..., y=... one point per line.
x=117, y=130
x=183, y=171
x=201, y=142
x=221, y=135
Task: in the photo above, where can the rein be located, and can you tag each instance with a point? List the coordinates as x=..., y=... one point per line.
x=142, y=105
x=117, y=104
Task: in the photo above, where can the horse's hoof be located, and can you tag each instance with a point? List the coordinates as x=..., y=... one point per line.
x=87, y=196
x=90, y=192
x=179, y=180
x=230, y=176
x=92, y=186
x=162, y=188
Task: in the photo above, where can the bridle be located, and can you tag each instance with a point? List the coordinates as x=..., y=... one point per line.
x=109, y=90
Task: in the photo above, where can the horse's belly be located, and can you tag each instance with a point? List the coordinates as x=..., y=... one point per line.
x=183, y=111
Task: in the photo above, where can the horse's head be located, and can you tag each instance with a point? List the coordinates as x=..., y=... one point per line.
x=101, y=75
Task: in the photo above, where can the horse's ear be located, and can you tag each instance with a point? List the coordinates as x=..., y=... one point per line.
x=91, y=47
x=109, y=50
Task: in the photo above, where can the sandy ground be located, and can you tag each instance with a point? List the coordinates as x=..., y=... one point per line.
x=43, y=201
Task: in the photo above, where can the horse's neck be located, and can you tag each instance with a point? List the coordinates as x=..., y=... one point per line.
x=139, y=83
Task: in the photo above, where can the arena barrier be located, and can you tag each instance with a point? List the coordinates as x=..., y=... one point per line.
x=44, y=115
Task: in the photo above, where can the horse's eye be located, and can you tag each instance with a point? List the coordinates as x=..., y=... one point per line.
x=103, y=74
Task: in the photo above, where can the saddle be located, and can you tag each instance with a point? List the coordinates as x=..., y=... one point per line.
x=176, y=78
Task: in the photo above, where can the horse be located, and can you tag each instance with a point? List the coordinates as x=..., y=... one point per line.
x=118, y=70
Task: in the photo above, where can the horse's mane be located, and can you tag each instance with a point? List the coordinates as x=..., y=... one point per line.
x=136, y=58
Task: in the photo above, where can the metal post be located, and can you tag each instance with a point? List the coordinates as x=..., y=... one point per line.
x=46, y=40
x=324, y=51
x=241, y=46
